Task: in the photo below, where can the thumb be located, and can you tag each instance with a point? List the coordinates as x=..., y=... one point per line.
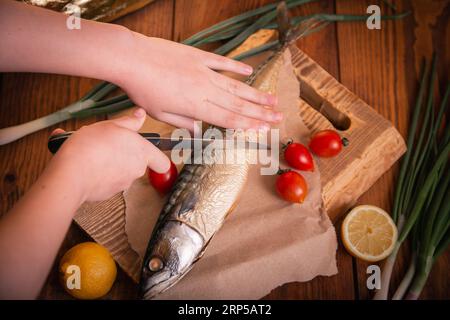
x=156, y=159
x=133, y=122
x=57, y=131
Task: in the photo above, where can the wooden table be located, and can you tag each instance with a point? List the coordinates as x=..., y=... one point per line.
x=381, y=66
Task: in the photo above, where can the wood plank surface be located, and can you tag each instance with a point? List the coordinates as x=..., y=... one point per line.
x=377, y=59
x=378, y=65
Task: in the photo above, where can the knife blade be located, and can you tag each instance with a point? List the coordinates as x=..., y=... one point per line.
x=163, y=143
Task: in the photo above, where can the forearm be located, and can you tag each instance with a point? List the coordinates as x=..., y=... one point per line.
x=38, y=40
x=32, y=232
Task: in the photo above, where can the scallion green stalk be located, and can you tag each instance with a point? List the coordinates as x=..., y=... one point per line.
x=13, y=133
x=232, y=21
x=406, y=281
x=258, y=24
x=421, y=205
x=429, y=252
x=409, y=145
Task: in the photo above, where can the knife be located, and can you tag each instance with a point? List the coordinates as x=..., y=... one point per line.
x=163, y=143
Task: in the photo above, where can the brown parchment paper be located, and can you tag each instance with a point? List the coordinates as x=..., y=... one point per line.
x=265, y=242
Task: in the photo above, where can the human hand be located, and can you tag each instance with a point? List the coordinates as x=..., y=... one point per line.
x=108, y=156
x=95, y=163
x=176, y=83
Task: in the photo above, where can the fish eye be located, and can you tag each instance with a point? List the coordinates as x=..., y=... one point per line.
x=155, y=264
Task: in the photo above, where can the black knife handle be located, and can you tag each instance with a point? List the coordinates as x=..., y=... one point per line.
x=55, y=142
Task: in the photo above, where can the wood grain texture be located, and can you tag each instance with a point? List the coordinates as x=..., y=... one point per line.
x=374, y=143
x=379, y=66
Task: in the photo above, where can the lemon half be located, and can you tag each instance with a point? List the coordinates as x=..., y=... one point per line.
x=369, y=233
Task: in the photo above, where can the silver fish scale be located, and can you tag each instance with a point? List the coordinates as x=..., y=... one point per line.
x=190, y=176
x=195, y=203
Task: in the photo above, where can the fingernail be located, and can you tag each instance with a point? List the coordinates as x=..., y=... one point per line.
x=139, y=113
x=264, y=127
x=272, y=100
x=168, y=166
x=277, y=116
x=248, y=69
x=56, y=131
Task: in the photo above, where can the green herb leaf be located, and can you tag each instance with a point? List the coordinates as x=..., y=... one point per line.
x=409, y=146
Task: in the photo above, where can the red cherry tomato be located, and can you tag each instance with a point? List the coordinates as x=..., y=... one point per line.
x=298, y=157
x=327, y=143
x=291, y=186
x=163, y=182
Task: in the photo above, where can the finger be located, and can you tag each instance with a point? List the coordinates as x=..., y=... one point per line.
x=217, y=115
x=156, y=159
x=246, y=108
x=133, y=122
x=217, y=62
x=243, y=90
x=57, y=131
x=178, y=121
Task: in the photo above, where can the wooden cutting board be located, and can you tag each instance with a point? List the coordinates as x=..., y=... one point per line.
x=374, y=147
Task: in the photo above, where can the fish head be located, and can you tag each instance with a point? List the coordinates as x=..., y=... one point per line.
x=175, y=249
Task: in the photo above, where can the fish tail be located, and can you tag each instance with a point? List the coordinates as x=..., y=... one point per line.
x=288, y=34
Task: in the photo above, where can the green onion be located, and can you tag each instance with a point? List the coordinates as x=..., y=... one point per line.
x=419, y=146
x=406, y=281
x=13, y=133
x=421, y=206
x=110, y=108
x=232, y=21
x=94, y=90
x=238, y=28
x=443, y=245
x=258, y=24
x=409, y=145
x=426, y=190
x=429, y=251
x=110, y=101
x=222, y=35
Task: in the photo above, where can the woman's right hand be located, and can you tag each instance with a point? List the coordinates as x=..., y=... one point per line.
x=108, y=156
x=178, y=84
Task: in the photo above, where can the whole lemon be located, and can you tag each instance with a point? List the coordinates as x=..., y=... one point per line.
x=87, y=271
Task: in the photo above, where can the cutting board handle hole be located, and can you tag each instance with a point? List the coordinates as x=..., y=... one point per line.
x=338, y=119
